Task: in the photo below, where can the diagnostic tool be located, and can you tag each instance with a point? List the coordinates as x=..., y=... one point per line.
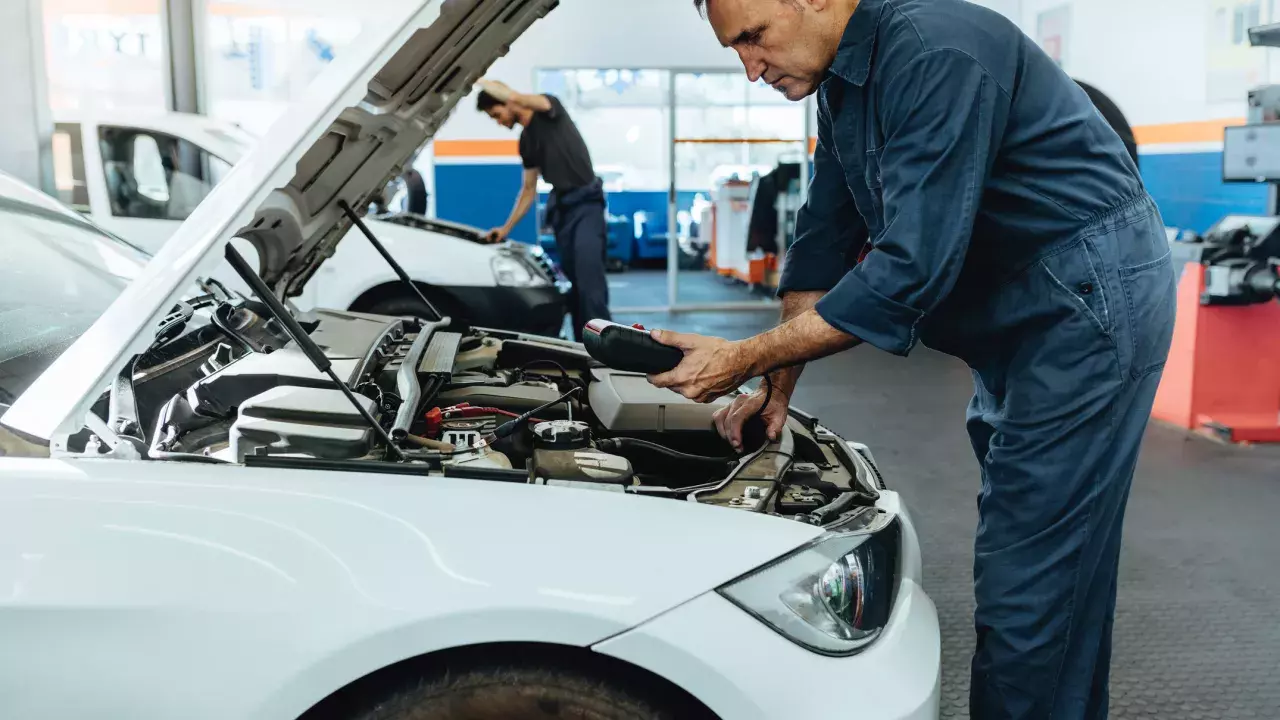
x=629, y=348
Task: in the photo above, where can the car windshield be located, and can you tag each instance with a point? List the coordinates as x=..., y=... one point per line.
x=58, y=276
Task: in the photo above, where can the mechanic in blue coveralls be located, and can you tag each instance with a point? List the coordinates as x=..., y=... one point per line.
x=551, y=146
x=968, y=196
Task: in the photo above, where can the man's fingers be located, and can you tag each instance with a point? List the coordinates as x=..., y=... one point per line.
x=742, y=410
x=663, y=380
x=674, y=339
x=719, y=419
x=775, y=426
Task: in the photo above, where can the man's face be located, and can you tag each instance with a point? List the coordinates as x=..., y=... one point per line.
x=503, y=115
x=786, y=42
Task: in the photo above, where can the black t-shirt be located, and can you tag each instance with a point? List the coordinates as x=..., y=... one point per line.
x=552, y=144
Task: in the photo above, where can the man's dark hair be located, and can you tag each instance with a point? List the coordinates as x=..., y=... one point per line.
x=486, y=101
x=701, y=5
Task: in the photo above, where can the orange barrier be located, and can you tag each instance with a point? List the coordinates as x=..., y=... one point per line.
x=1223, y=373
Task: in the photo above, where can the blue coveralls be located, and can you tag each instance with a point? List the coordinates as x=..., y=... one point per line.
x=577, y=219
x=1009, y=227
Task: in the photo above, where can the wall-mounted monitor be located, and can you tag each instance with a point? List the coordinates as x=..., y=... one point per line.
x=1251, y=153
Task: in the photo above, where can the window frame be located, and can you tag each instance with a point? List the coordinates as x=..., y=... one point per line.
x=162, y=139
x=74, y=132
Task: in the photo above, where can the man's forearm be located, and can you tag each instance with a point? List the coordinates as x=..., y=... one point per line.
x=535, y=102
x=802, y=336
x=523, y=202
x=794, y=304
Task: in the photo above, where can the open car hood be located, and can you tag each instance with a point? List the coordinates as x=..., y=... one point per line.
x=380, y=102
x=368, y=144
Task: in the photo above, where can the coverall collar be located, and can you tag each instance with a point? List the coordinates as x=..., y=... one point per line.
x=857, y=45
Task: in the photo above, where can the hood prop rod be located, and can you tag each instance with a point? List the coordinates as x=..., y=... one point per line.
x=305, y=343
x=382, y=250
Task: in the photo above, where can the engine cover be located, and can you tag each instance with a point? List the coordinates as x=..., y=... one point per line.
x=309, y=421
x=626, y=402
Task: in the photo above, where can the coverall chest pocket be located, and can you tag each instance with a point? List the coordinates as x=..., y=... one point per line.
x=863, y=179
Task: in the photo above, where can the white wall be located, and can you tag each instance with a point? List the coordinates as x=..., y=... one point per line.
x=24, y=114
x=612, y=34
x=600, y=34
x=1150, y=56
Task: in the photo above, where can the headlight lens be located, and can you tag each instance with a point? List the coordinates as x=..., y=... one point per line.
x=832, y=596
x=511, y=270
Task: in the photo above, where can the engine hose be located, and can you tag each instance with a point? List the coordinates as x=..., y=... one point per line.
x=620, y=444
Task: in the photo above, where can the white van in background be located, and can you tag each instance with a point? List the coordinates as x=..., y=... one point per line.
x=139, y=175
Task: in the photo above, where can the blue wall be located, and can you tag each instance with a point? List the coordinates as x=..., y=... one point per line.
x=1188, y=188
x=482, y=195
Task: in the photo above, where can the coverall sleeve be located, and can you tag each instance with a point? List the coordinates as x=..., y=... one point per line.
x=939, y=114
x=829, y=230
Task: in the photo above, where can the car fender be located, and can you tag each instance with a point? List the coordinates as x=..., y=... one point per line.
x=428, y=257
x=262, y=591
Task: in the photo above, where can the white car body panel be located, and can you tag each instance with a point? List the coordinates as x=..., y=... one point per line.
x=292, y=584
x=432, y=258
x=699, y=645
x=160, y=589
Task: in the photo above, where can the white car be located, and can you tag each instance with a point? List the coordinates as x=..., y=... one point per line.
x=140, y=175
x=222, y=507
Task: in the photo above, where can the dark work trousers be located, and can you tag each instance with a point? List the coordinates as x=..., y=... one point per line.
x=1065, y=367
x=577, y=219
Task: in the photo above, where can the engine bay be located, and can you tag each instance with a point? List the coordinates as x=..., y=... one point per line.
x=462, y=403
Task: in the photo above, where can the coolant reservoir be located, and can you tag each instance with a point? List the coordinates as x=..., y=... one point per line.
x=563, y=454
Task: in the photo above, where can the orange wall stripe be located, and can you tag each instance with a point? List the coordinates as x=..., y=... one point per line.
x=477, y=148
x=1171, y=133
x=738, y=141
x=1188, y=132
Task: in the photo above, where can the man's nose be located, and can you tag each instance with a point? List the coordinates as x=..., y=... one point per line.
x=755, y=67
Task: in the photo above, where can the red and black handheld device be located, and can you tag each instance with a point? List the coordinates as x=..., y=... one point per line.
x=629, y=347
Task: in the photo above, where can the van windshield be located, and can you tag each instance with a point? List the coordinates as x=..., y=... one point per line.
x=58, y=276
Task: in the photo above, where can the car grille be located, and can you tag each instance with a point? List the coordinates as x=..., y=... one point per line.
x=548, y=267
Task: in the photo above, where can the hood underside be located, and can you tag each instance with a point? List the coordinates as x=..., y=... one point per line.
x=361, y=122
x=368, y=144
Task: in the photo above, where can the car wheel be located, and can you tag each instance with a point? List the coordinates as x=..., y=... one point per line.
x=512, y=694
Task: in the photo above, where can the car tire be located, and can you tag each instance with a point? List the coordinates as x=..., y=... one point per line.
x=512, y=694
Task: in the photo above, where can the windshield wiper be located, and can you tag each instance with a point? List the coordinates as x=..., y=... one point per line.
x=382, y=250
x=305, y=343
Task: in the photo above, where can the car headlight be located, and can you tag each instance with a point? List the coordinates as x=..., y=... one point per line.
x=834, y=595
x=514, y=271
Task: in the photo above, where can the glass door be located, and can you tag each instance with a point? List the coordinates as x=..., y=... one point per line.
x=739, y=167
x=622, y=114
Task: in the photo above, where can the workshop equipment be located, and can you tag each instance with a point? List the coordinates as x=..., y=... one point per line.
x=1223, y=373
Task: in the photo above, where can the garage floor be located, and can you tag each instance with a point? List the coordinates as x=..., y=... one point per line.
x=648, y=288
x=1198, y=619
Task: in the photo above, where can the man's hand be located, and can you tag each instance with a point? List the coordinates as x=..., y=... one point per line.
x=730, y=420
x=498, y=90
x=496, y=235
x=712, y=367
